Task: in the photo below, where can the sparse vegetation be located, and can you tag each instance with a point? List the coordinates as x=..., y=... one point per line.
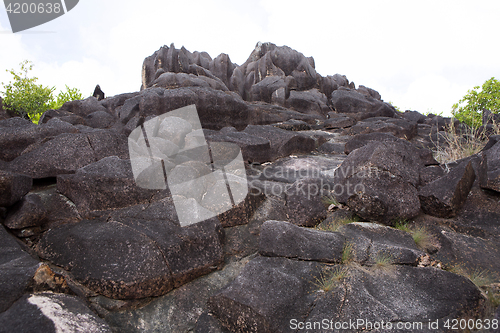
x=348, y=253
x=329, y=278
x=335, y=225
x=384, y=263
x=455, y=146
x=330, y=200
x=480, y=278
x=420, y=234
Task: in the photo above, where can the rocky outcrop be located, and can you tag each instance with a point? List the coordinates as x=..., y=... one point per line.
x=335, y=208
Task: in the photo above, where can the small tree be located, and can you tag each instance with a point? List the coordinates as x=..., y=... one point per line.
x=469, y=109
x=24, y=96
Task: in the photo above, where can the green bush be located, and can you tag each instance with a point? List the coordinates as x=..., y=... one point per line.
x=469, y=109
x=30, y=100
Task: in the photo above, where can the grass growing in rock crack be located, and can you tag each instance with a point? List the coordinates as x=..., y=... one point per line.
x=336, y=224
x=329, y=278
x=420, y=234
x=330, y=200
x=348, y=253
x=384, y=263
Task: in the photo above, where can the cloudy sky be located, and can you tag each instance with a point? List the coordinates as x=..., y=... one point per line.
x=420, y=55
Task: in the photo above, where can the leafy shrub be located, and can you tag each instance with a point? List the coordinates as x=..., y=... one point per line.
x=30, y=100
x=24, y=96
x=469, y=109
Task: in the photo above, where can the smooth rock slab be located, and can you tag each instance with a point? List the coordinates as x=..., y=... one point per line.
x=283, y=239
x=51, y=313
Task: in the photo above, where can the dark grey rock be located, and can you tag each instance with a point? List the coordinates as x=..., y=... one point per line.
x=372, y=241
x=51, y=313
x=283, y=239
x=13, y=187
x=106, y=184
x=400, y=128
x=283, y=143
x=29, y=212
x=99, y=119
x=17, y=269
x=304, y=205
x=360, y=106
x=444, y=196
x=267, y=294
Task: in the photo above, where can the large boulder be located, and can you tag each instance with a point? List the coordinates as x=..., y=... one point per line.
x=143, y=250
x=103, y=185
x=400, y=128
x=51, y=313
x=283, y=143
x=283, y=239
x=360, y=106
x=29, y=212
x=310, y=102
x=360, y=140
x=17, y=269
x=13, y=187
x=18, y=134
x=216, y=109
x=68, y=152
x=378, y=181
x=278, y=294
x=446, y=195
x=491, y=164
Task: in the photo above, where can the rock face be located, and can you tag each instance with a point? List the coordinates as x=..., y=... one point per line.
x=344, y=213
x=444, y=196
x=378, y=181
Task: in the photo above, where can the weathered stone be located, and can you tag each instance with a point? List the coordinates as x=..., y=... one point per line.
x=378, y=181
x=345, y=100
x=17, y=134
x=304, y=206
x=51, y=313
x=283, y=239
x=176, y=80
x=293, y=125
x=17, y=269
x=181, y=310
x=283, y=143
x=99, y=119
x=29, y=212
x=264, y=114
x=263, y=90
x=444, y=196
x=310, y=102
x=400, y=128
x=490, y=179
x=371, y=242
x=361, y=140
x=414, y=116
x=83, y=107
x=106, y=184
x=68, y=152
x=126, y=264
x=13, y=187
x=339, y=121
x=267, y=294
x=253, y=148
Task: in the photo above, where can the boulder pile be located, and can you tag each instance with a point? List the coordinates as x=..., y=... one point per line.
x=349, y=219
